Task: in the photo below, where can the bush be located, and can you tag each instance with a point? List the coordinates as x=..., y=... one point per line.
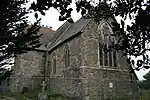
x=145, y=95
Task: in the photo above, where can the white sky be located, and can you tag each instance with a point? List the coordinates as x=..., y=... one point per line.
x=52, y=16
x=51, y=20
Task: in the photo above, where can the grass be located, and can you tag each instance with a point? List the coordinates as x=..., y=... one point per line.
x=52, y=95
x=145, y=95
x=33, y=95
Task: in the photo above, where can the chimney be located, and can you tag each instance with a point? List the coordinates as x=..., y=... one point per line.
x=50, y=27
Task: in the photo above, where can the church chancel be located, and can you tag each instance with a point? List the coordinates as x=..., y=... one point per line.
x=74, y=62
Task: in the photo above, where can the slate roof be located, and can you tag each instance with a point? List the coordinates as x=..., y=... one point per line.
x=62, y=29
x=66, y=31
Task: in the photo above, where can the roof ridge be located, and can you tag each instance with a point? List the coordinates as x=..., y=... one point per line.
x=62, y=35
x=58, y=33
x=59, y=28
x=78, y=26
x=49, y=28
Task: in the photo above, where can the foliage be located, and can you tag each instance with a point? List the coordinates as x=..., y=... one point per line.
x=60, y=5
x=145, y=95
x=16, y=36
x=33, y=95
x=132, y=40
x=145, y=84
x=120, y=98
x=5, y=73
x=135, y=39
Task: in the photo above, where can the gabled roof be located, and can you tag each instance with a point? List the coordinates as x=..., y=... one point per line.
x=61, y=30
x=66, y=31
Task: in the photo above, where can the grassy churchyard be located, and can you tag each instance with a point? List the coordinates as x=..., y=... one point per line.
x=33, y=95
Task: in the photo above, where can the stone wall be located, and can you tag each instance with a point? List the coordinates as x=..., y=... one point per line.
x=66, y=78
x=102, y=83
x=97, y=76
x=89, y=45
x=26, y=66
x=85, y=76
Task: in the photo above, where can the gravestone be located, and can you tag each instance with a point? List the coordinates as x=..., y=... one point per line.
x=4, y=85
x=43, y=95
x=25, y=90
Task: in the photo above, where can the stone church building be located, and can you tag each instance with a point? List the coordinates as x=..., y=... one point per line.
x=72, y=61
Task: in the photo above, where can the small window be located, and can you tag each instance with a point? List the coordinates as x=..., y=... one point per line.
x=101, y=54
x=115, y=58
x=48, y=67
x=54, y=64
x=105, y=57
x=48, y=63
x=67, y=56
x=110, y=58
x=105, y=49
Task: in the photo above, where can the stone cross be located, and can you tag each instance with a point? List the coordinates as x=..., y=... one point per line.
x=43, y=86
x=43, y=95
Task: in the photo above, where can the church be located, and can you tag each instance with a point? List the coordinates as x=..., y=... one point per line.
x=72, y=61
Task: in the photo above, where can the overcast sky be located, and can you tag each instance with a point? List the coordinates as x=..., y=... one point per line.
x=51, y=17
x=51, y=20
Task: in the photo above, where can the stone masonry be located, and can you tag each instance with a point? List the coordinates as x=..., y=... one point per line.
x=78, y=73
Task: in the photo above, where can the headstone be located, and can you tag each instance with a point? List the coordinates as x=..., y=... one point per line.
x=25, y=90
x=43, y=86
x=43, y=95
x=25, y=98
x=4, y=85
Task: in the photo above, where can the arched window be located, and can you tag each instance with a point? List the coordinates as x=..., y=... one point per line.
x=67, y=56
x=114, y=56
x=110, y=52
x=100, y=54
x=54, y=63
x=105, y=48
x=106, y=56
x=110, y=58
x=48, y=67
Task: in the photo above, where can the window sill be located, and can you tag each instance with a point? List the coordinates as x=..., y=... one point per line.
x=104, y=68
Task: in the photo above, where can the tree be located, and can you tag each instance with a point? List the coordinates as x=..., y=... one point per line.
x=16, y=36
x=145, y=84
x=5, y=73
x=132, y=40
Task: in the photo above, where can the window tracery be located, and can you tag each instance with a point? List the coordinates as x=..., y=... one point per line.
x=106, y=57
x=54, y=63
x=67, y=56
